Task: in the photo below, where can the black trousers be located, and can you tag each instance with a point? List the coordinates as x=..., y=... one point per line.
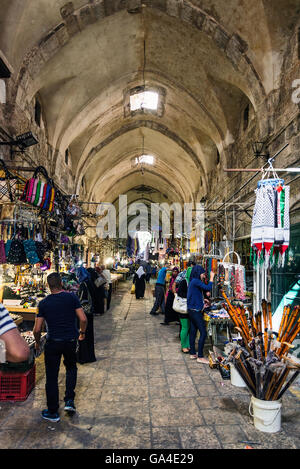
x=53, y=353
x=109, y=297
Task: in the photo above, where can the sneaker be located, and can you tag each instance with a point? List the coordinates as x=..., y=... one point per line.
x=69, y=406
x=52, y=417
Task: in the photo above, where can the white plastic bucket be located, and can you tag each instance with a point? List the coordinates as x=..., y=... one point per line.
x=267, y=415
x=236, y=379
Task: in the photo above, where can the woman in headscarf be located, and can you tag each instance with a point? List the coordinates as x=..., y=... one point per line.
x=139, y=280
x=98, y=292
x=182, y=288
x=195, y=305
x=159, y=292
x=86, y=351
x=170, y=314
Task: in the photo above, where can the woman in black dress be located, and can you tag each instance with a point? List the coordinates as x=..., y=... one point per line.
x=86, y=351
x=98, y=292
x=170, y=314
x=139, y=280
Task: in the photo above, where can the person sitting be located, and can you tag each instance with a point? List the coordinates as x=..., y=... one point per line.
x=17, y=349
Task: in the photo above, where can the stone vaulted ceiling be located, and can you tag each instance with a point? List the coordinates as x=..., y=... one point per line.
x=211, y=58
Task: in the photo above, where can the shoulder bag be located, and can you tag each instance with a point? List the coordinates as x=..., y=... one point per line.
x=180, y=304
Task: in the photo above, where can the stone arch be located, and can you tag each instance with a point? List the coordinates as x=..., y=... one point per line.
x=156, y=126
x=74, y=21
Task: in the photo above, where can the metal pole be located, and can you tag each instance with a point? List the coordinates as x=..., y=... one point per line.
x=254, y=176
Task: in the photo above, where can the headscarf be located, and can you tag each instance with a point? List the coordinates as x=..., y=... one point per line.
x=181, y=276
x=196, y=272
x=140, y=272
x=92, y=273
x=162, y=275
x=82, y=274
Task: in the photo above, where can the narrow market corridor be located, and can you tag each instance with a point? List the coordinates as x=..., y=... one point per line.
x=142, y=392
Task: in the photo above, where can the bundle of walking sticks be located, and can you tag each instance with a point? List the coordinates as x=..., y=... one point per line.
x=261, y=357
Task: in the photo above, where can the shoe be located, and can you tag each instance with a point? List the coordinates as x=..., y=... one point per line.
x=69, y=406
x=193, y=357
x=164, y=323
x=154, y=314
x=52, y=417
x=203, y=361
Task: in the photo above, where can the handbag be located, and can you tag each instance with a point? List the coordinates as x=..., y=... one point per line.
x=132, y=289
x=38, y=193
x=180, y=304
x=100, y=281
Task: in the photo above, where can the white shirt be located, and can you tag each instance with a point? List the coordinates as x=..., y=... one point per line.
x=6, y=322
x=106, y=273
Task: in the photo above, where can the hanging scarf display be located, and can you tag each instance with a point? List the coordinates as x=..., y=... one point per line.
x=270, y=234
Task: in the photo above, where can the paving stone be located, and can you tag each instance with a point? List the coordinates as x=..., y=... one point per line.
x=175, y=412
x=142, y=392
x=165, y=438
x=201, y=437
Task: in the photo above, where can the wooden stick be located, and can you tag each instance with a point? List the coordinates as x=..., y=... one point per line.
x=270, y=316
x=289, y=383
x=265, y=315
x=280, y=383
x=290, y=324
x=285, y=321
x=245, y=372
x=282, y=321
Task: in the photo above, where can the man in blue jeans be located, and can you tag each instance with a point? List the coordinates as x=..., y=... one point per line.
x=60, y=311
x=195, y=305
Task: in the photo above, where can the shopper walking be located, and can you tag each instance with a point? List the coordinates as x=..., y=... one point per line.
x=108, y=286
x=159, y=292
x=195, y=304
x=96, y=285
x=182, y=289
x=59, y=310
x=86, y=348
x=170, y=314
x=139, y=281
x=148, y=272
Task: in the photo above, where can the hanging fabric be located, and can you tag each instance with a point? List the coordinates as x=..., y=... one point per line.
x=270, y=233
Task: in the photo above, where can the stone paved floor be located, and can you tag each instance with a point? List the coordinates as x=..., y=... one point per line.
x=144, y=393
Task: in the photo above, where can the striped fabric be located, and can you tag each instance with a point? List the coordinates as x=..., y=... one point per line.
x=6, y=322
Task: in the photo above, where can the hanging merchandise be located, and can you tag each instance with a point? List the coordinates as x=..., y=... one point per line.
x=231, y=278
x=270, y=234
x=9, y=184
x=73, y=209
x=38, y=193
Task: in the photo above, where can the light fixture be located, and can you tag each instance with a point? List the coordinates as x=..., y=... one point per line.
x=258, y=148
x=26, y=140
x=144, y=159
x=22, y=141
x=144, y=100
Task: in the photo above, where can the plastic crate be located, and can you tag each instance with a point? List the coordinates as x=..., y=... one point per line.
x=16, y=386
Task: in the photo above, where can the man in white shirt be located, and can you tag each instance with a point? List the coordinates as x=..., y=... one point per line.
x=17, y=349
x=107, y=275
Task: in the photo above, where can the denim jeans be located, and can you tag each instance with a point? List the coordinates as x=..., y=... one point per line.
x=197, y=324
x=53, y=353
